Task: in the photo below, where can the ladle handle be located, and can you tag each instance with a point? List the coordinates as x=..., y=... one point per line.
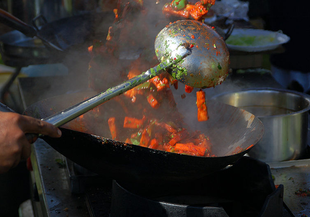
x=15, y=23
x=73, y=112
x=30, y=31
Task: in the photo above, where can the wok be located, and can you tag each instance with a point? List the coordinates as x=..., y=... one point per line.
x=86, y=142
x=59, y=37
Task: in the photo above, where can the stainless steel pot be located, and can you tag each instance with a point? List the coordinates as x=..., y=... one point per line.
x=284, y=114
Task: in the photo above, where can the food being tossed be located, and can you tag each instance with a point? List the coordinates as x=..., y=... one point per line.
x=150, y=116
x=186, y=9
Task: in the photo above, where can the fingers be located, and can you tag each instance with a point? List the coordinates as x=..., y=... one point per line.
x=14, y=147
x=26, y=149
x=33, y=125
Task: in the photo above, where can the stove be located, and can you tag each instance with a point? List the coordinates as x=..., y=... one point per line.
x=245, y=189
x=62, y=188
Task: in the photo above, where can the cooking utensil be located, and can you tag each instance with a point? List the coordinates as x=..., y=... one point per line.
x=284, y=114
x=231, y=130
x=207, y=66
x=26, y=29
x=169, y=59
x=70, y=34
x=69, y=114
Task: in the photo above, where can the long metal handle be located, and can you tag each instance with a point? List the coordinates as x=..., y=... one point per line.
x=30, y=31
x=17, y=24
x=73, y=112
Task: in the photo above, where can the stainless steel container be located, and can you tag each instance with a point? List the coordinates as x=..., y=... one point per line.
x=284, y=114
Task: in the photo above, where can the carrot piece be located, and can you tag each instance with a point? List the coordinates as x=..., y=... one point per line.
x=204, y=142
x=202, y=114
x=90, y=50
x=152, y=101
x=180, y=147
x=190, y=148
x=154, y=144
x=145, y=138
x=133, y=123
x=168, y=10
x=128, y=140
x=205, y=2
x=112, y=127
x=168, y=148
x=160, y=83
x=188, y=89
x=132, y=93
x=198, y=11
x=168, y=127
x=178, y=137
x=133, y=73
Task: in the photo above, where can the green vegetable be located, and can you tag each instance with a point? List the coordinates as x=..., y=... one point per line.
x=248, y=40
x=179, y=4
x=145, y=85
x=135, y=141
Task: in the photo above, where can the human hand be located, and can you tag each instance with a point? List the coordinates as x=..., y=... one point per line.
x=14, y=145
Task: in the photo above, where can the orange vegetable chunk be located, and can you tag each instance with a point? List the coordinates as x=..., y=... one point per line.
x=145, y=138
x=112, y=127
x=133, y=123
x=190, y=148
x=152, y=101
x=154, y=144
x=202, y=114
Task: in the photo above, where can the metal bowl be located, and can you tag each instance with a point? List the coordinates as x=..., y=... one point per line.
x=284, y=114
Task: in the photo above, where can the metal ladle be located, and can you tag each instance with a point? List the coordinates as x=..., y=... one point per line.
x=176, y=48
x=207, y=66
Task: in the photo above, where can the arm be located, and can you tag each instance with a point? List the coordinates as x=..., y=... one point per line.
x=14, y=145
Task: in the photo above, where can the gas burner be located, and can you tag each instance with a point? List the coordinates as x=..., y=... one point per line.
x=246, y=189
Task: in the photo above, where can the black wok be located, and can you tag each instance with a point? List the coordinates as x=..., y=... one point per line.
x=59, y=37
x=232, y=131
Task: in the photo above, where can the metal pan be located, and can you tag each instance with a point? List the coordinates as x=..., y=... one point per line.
x=232, y=131
x=57, y=36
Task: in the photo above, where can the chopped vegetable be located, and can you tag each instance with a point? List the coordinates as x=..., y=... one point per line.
x=133, y=123
x=179, y=4
x=154, y=144
x=188, y=89
x=152, y=101
x=112, y=127
x=162, y=126
x=202, y=114
x=184, y=9
x=189, y=148
x=145, y=138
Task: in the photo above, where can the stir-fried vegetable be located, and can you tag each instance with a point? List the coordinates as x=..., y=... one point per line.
x=112, y=127
x=179, y=4
x=201, y=105
x=150, y=118
x=184, y=9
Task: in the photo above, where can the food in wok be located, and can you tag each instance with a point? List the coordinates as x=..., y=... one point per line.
x=151, y=116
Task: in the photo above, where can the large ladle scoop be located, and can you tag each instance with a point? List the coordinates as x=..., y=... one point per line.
x=174, y=58
x=207, y=66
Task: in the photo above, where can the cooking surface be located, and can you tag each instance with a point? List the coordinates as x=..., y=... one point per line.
x=295, y=176
x=55, y=187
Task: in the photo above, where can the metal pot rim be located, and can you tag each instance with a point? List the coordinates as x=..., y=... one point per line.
x=306, y=97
